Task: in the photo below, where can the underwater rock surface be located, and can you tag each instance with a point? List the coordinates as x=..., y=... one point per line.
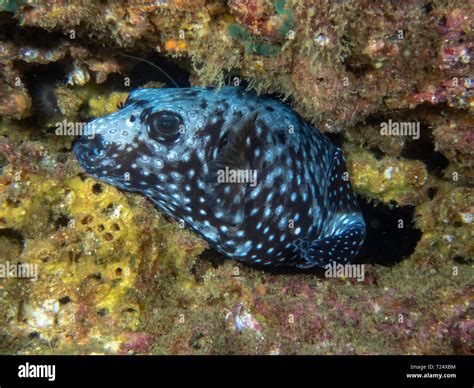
x=113, y=275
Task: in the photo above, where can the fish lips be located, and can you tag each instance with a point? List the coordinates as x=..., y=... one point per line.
x=89, y=153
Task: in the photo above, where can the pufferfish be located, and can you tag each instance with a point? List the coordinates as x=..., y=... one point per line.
x=243, y=171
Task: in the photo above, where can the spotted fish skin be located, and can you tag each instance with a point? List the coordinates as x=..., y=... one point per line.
x=171, y=144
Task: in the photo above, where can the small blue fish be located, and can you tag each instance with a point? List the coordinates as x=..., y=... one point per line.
x=243, y=171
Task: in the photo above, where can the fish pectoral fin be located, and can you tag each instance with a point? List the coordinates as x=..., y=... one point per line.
x=337, y=248
x=340, y=194
x=230, y=173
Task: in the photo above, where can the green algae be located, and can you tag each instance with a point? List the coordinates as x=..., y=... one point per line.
x=258, y=46
x=253, y=45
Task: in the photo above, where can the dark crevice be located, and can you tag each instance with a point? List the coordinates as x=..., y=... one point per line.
x=97, y=188
x=427, y=7
x=212, y=257
x=143, y=72
x=460, y=259
x=377, y=153
x=61, y=222
x=423, y=149
x=431, y=192
x=358, y=65
x=28, y=36
x=387, y=243
x=41, y=81
x=10, y=251
x=336, y=138
x=7, y=25
x=64, y=300
x=13, y=236
x=38, y=37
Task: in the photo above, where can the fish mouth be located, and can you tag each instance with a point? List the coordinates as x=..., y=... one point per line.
x=87, y=152
x=80, y=150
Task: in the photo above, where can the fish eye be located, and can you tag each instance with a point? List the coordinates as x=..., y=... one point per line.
x=164, y=125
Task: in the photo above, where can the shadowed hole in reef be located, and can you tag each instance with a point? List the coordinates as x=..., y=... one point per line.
x=41, y=82
x=61, y=221
x=144, y=72
x=423, y=149
x=11, y=244
x=208, y=258
x=391, y=235
x=27, y=36
x=336, y=138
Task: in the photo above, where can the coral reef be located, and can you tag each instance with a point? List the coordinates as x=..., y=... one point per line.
x=114, y=276
x=388, y=179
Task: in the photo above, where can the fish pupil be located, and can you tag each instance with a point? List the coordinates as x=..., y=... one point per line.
x=168, y=123
x=165, y=124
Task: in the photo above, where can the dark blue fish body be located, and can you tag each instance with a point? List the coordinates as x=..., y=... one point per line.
x=245, y=172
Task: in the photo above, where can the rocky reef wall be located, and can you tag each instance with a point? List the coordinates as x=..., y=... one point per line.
x=114, y=276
